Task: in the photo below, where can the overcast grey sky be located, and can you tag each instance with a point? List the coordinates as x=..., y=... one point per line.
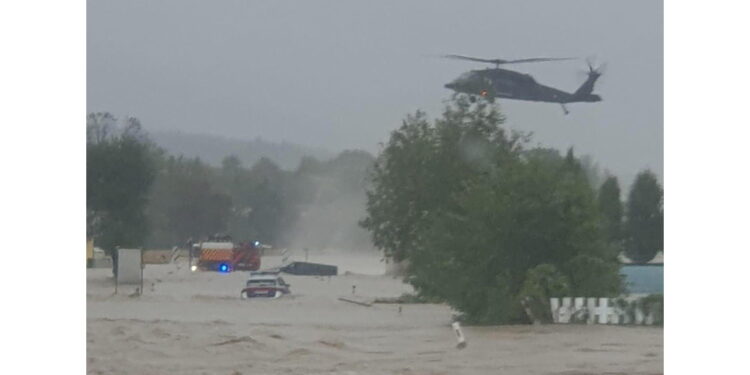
x=343, y=74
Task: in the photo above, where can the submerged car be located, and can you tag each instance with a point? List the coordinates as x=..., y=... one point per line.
x=264, y=284
x=310, y=269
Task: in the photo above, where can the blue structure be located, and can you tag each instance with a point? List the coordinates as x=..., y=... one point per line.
x=643, y=278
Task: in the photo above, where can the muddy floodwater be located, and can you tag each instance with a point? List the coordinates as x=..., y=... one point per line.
x=196, y=323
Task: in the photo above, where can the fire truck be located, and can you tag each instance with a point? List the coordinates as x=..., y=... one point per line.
x=222, y=255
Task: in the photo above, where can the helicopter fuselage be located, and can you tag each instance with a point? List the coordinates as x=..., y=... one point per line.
x=508, y=84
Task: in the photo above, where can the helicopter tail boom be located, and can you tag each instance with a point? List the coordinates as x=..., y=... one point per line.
x=584, y=93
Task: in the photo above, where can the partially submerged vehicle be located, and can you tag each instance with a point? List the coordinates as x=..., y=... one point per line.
x=310, y=269
x=265, y=284
x=225, y=256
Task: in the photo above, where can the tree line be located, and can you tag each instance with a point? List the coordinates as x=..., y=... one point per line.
x=491, y=226
x=139, y=196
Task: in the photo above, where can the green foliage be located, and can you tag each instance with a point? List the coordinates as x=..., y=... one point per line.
x=591, y=169
x=139, y=196
x=473, y=212
x=120, y=170
x=645, y=218
x=653, y=304
x=266, y=203
x=402, y=176
x=185, y=203
x=541, y=283
x=611, y=209
x=594, y=276
x=627, y=307
x=193, y=200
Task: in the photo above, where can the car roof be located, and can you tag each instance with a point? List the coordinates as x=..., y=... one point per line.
x=263, y=277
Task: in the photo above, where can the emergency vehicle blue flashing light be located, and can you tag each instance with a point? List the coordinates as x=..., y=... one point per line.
x=223, y=267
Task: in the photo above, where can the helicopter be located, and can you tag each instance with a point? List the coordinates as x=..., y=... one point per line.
x=495, y=82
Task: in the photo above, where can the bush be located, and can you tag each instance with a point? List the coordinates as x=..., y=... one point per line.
x=654, y=305
x=542, y=282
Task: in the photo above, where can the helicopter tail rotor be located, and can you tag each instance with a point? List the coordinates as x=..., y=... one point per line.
x=595, y=69
x=592, y=71
x=585, y=92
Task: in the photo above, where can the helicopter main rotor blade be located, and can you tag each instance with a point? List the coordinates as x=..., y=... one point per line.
x=501, y=61
x=491, y=61
x=539, y=59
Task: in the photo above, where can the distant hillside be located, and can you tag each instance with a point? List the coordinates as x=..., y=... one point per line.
x=213, y=149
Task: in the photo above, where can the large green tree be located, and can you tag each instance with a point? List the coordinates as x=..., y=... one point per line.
x=645, y=218
x=120, y=169
x=401, y=194
x=473, y=213
x=610, y=206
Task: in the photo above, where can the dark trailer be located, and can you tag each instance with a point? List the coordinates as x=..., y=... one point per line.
x=310, y=269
